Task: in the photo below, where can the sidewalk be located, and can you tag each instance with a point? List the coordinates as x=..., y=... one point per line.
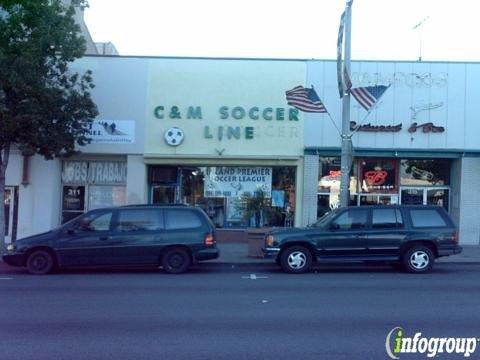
x=237, y=253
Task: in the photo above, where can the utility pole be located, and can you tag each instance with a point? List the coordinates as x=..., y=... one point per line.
x=347, y=149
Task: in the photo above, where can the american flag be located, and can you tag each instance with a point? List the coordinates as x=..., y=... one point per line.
x=305, y=99
x=368, y=96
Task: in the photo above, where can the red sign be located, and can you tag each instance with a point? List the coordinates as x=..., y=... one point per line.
x=375, y=177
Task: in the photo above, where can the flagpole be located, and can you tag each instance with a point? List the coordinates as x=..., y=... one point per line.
x=347, y=149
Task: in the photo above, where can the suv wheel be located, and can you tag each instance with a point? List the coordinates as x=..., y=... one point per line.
x=296, y=260
x=418, y=259
x=176, y=261
x=39, y=262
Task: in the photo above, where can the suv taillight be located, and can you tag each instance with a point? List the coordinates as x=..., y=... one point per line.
x=209, y=239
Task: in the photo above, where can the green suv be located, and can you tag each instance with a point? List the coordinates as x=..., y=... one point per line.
x=168, y=236
x=409, y=237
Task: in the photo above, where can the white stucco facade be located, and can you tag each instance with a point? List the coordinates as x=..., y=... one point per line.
x=233, y=114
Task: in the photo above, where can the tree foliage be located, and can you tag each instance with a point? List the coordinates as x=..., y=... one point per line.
x=44, y=107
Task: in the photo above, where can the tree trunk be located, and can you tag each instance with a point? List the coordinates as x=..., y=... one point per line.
x=4, y=155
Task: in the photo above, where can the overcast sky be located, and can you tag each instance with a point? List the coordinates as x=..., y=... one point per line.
x=381, y=29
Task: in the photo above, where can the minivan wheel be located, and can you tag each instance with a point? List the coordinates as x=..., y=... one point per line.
x=296, y=260
x=418, y=259
x=40, y=262
x=176, y=261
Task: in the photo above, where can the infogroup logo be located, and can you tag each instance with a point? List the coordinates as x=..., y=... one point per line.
x=397, y=343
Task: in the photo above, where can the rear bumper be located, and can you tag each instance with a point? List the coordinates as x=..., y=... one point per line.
x=14, y=259
x=446, y=251
x=207, y=254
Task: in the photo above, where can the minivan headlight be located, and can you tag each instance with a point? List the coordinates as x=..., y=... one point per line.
x=11, y=247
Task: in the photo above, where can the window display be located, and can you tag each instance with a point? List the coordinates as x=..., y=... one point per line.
x=378, y=175
x=424, y=172
x=229, y=194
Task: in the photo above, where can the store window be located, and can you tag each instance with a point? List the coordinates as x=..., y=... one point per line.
x=232, y=196
x=378, y=175
x=328, y=190
x=425, y=182
x=89, y=185
x=434, y=172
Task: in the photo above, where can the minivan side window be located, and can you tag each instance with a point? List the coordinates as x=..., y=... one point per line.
x=181, y=219
x=386, y=219
x=351, y=219
x=427, y=218
x=95, y=222
x=139, y=220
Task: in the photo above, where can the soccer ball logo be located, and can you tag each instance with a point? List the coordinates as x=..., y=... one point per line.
x=174, y=136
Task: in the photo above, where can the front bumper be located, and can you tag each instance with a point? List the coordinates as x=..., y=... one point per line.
x=14, y=259
x=270, y=252
x=446, y=251
x=207, y=254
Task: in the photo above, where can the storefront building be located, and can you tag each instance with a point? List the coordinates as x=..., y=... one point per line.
x=419, y=144
x=216, y=134
x=219, y=134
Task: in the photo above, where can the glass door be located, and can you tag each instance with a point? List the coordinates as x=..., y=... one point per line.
x=425, y=196
x=164, y=194
x=8, y=206
x=411, y=196
x=438, y=197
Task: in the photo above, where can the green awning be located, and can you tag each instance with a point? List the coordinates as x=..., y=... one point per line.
x=395, y=153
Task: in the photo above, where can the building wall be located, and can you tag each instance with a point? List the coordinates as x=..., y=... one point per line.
x=224, y=93
x=39, y=198
x=310, y=184
x=469, y=214
x=137, y=187
x=442, y=93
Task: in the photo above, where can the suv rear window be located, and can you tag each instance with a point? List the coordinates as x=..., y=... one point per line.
x=181, y=219
x=427, y=218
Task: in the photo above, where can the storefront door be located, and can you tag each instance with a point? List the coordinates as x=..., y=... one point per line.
x=425, y=196
x=9, y=205
x=164, y=194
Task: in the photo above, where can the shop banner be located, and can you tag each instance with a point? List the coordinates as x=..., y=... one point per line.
x=113, y=132
x=94, y=172
x=237, y=181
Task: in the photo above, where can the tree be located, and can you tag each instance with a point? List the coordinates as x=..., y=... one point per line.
x=45, y=109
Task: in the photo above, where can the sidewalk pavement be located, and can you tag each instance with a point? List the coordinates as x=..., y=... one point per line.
x=237, y=253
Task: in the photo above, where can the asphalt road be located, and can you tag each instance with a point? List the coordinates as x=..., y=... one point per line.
x=232, y=313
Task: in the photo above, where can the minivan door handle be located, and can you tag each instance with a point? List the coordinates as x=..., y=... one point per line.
x=104, y=238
